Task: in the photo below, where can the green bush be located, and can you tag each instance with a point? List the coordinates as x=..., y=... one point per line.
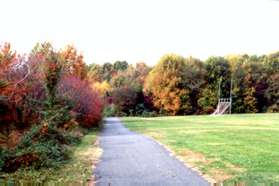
x=110, y=110
x=149, y=114
x=4, y=154
x=42, y=146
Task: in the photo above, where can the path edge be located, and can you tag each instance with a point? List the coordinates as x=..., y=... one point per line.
x=92, y=180
x=208, y=178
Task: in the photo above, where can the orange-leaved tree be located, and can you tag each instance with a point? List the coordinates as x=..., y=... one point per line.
x=74, y=63
x=166, y=83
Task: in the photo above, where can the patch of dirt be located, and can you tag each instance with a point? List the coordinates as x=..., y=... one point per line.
x=97, y=152
x=191, y=159
x=155, y=135
x=188, y=159
x=194, y=157
x=219, y=175
x=94, y=153
x=235, y=168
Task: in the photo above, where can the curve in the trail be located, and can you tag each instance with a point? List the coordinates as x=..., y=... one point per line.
x=132, y=159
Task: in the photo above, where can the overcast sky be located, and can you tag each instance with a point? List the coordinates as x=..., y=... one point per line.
x=143, y=30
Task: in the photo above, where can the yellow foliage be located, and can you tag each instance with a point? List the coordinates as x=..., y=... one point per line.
x=102, y=87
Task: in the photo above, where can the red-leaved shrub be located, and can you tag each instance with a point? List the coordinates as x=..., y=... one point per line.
x=87, y=105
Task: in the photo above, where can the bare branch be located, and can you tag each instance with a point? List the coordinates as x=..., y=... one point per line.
x=25, y=77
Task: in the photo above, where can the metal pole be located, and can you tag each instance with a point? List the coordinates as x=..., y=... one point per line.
x=231, y=96
x=219, y=95
x=219, y=91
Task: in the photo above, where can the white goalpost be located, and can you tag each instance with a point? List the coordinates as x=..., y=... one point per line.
x=224, y=104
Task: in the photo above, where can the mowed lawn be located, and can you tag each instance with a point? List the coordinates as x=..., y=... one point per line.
x=242, y=146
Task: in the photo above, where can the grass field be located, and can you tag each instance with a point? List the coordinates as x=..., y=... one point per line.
x=241, y=146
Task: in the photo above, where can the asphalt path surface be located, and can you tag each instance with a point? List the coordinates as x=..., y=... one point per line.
x=131, y=159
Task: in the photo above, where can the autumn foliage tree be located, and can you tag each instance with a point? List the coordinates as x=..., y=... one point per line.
x=271, y=93
x=12, y=92
x=166, y=84
x=73, y=62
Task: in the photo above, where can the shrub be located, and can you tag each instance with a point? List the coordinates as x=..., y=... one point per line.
x=207, y=101
x=110, y=110
x=149, y=114
x=42, y=146
x=86, y=103
x=125, y=99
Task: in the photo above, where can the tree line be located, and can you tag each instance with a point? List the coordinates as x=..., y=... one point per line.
x=184, y=86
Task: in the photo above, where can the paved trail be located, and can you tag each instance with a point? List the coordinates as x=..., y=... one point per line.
x=132, y=159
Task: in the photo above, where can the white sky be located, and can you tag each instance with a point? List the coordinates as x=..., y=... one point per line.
x=143, y=30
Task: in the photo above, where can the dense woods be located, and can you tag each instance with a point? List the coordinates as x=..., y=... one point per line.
x=182, y=86
x=47, y=104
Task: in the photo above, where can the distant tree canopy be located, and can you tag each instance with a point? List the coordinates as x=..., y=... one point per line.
x=179, y=86
x=120, y=84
